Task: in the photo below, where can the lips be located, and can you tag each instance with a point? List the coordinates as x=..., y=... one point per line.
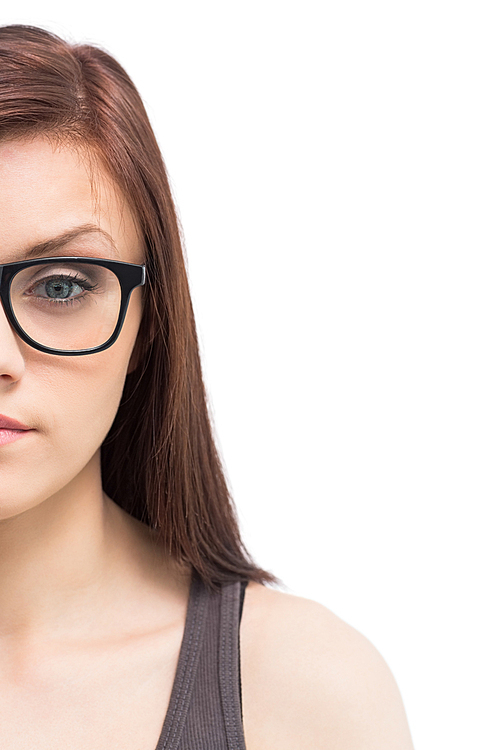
x=6, y=423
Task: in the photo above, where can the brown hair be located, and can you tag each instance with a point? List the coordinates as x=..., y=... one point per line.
x=159, y=460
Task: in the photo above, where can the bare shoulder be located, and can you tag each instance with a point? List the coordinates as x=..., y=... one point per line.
x=310, y=680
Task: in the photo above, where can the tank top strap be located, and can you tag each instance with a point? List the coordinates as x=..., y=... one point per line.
x=204, y=711
x=229, y=664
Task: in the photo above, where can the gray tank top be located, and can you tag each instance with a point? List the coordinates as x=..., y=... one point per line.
x=204, y=712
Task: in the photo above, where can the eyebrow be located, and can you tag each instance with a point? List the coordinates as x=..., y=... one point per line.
x=48, y=247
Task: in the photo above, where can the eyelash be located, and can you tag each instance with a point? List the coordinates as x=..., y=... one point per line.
x=82, y=282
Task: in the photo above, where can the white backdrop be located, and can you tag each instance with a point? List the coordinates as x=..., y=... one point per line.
x=337, y=170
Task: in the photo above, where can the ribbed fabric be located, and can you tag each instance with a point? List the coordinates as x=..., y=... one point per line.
x=204, y=712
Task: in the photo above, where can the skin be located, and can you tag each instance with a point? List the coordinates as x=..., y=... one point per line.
x=92, y=611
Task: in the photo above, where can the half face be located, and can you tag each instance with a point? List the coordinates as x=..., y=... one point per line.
x=50, y=207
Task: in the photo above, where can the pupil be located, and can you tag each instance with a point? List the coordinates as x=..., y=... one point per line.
x=59, y=289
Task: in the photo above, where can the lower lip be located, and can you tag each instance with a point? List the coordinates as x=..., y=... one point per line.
x=10, y=436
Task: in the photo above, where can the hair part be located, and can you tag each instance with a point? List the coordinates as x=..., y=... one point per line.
x=159, y=459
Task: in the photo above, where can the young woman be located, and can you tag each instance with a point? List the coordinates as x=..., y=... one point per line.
x=131, y=615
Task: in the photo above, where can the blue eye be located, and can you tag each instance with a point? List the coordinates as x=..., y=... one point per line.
x=59, y=288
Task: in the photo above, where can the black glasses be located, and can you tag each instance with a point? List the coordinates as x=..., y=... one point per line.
x=68, y=306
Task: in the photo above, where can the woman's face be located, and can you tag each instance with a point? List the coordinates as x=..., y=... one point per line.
x=68, y=402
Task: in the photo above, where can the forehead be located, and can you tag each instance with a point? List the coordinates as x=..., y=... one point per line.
x=47, y=191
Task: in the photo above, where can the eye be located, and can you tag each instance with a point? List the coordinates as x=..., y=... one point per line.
x=62, y=287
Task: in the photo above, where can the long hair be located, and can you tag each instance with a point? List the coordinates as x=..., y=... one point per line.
x=159, y=460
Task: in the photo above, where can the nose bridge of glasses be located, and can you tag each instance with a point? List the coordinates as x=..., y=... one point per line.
x=2, y=293
x=6, y=328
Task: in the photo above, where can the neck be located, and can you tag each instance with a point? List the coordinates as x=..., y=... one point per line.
x=66, y=563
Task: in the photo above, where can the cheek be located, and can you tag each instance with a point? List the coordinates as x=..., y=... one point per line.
x=79, y=406
x=93, y=384
x=73, y=410
x=81, y=400
x=72, y=401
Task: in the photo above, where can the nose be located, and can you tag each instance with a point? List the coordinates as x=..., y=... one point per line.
x=11, y=360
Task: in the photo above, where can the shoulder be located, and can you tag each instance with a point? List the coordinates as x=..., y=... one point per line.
x=311, y=680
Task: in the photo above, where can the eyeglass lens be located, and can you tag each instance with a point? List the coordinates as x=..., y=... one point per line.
x=66, y=305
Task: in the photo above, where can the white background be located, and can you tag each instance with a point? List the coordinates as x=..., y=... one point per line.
x=336, y=166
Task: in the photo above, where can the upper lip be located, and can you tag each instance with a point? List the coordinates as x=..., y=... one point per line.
x=6, y=423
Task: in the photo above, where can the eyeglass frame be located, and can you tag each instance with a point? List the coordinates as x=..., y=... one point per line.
x=129, y=275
